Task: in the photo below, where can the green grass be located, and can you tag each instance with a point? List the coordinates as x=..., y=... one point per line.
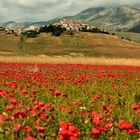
x=129, y=35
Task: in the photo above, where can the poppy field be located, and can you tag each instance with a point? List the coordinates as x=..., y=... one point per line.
x=69, y=102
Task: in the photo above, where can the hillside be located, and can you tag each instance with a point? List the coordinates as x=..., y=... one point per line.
x=129, y=36
x=135, y=29
x=8, y=43
x=82, y=44
x=111, y=18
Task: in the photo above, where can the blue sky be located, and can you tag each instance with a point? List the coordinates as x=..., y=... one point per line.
x=43, y=10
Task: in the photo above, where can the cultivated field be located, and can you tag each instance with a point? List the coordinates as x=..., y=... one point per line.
x=43, y=59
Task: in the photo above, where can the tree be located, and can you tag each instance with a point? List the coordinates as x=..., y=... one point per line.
x=55, y=30
x=21, y=44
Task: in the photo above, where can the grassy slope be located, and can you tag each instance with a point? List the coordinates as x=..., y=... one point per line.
x=86, y=44
x=129, y=35
x=8, y=42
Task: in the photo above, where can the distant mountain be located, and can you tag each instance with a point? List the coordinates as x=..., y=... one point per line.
x=135, y=29
x=14, y=25
x=112, y=18
x=122, y=18
x=22, y=25
x=137, y=5
x=89, y=14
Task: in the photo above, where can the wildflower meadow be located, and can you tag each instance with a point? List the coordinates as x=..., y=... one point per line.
x=69, y=102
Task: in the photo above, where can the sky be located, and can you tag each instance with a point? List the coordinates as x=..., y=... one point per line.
x=44, y=10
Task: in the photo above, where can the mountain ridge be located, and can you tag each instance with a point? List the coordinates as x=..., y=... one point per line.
x=135, y=29
x=121, y=18
x=111, y=18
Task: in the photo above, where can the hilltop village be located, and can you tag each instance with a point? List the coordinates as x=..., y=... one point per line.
x=64, y=24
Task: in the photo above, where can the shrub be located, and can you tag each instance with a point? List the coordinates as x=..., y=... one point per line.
x=55, y=30
x=30, y=34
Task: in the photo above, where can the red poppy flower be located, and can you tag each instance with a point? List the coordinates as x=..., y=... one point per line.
x=95, y=132
x=104, y=106
x=134, y=106
x=24, y=91
x=12, y=84
x=132, y=131
x=63, y=125
x=2, y=94
x=13, y=100
x=41, y=129
x=30, y=138
x=19, y=114
x=9, y=118
x=124, y=125
x=9, y=108
x=96, y=121
x=33, y=113
x=37, y=123
x=27, y=129
x=57, y=93
x=108, y=125
x=44, y=116
x=17, y=126
x=1, y=120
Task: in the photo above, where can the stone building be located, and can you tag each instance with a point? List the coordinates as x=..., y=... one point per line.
x=71, y=24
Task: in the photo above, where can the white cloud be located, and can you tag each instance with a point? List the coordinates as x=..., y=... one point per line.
x=32, y=3
x=47, y=9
